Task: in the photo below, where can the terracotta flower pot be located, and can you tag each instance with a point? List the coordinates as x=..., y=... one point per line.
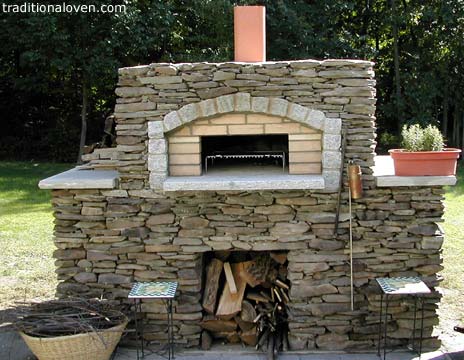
x=425, y=163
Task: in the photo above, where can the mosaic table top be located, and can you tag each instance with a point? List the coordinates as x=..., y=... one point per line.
x=403, y=286
x=153, y=290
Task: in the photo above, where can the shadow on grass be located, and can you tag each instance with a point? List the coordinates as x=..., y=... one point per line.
x=458, y=189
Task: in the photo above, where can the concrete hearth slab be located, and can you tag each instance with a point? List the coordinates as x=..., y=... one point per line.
x=81, y=179
x=239, y=353
x=384, y=173
x=13, y=347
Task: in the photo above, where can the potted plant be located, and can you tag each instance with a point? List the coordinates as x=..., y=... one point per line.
x=424, y=153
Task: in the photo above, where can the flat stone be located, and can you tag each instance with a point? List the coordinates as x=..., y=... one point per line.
x=114, y=279
x=81, y=179
x=308, y=267
x=196, y=232
x=194, y=222
x=215, y=92
x=332, y=341
x=426, y=229
x=285, y=228
x=326, y=245
x=69, y=254
x=223, y=75
x=93, y=255
x=273, y=209
x=85, y=277
x=167, y=218
x=124, y=223
x=161, y=80
x=303, y=291
x=297, y=201
x=134, y=91
x=322, y=217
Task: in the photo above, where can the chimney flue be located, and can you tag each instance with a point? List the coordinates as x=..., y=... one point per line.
x=250, y=33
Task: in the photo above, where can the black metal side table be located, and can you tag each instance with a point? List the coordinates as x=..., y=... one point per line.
x=412, y=286
x=163, y=290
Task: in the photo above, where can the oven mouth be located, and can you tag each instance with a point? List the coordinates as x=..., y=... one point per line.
x=247, y=153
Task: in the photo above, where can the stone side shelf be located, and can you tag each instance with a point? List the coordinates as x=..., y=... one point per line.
x=384, y=174
x=81, y=179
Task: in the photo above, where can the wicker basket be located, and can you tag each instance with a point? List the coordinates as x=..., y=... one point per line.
x=88, y=346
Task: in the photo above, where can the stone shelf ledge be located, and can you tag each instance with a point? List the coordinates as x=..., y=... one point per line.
x=81, y=179
x=384, y=174
x=245, y=182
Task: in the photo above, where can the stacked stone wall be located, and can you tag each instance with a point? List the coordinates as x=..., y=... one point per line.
x=107, y=239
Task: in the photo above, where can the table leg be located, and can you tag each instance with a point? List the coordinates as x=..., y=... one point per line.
x=386, y=326
x=170, y=329
x=380, y=325
x=414, y=325
x=138, y=327
x=422, y=327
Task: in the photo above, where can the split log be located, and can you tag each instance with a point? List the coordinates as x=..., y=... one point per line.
x=246, y=317
x=250, y=337
x=248, y=312
x=231, y=304
x=231, y=336
x=214, y=325
x=230, y=278
x=249, y=277
x=281, y=284
x=279, y=257
x=206, y=340
x=258, y=297
x=213, y=272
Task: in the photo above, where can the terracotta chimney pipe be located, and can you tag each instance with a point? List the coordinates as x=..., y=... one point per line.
x=250, y=33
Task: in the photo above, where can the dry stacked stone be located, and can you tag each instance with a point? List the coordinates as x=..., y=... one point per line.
x=107, y=239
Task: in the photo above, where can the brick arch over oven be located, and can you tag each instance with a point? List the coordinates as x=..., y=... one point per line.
x=244, y=103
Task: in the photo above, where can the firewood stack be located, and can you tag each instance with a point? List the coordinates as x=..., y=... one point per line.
x=245, y=299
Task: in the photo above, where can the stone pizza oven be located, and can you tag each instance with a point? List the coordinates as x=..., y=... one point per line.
x=149, y=209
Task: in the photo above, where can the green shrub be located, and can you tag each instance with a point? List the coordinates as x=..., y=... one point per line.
x=416, y=138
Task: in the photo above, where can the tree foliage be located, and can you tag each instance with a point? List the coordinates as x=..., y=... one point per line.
x=47, y=60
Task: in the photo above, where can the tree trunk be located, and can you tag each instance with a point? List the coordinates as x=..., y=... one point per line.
x=456, y=126
x=85, y=99
x=396, y=59
x=444, y=123
x=462, y=130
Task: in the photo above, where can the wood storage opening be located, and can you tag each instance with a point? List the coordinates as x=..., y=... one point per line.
x=245, y=299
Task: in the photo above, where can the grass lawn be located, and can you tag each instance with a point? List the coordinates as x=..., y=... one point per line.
x=26, y=226
x=451, y=310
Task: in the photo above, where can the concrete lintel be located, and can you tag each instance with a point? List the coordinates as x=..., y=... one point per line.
x=81, y=179
x=384, y=173
x=250, y=182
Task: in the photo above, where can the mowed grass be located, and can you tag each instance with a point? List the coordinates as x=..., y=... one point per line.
x=451, y=310
x=26, y=227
